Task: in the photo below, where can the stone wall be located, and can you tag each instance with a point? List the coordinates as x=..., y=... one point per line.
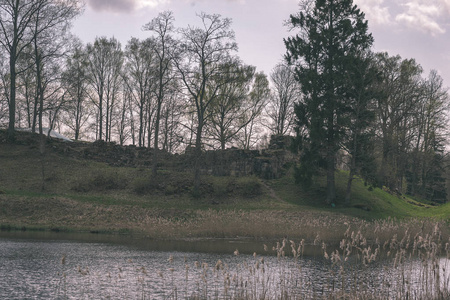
x=267, y=163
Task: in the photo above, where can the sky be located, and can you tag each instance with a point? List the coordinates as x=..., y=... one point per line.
x=418, y=29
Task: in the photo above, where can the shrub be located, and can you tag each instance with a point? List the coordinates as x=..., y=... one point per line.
x=168, y=183
x=249, y=187
x=147, y=184
x=140, y=185
x=100, y=181
x=206, y=188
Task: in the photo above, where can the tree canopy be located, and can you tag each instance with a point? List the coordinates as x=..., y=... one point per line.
x=331, y=33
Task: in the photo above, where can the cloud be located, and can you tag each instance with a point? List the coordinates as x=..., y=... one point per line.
x=151, y=3
x=123, y=6
x=445, y=4
x=375, y=10
x=428, y=16
x=423, y=16
x=113, y=5
x=195, y=2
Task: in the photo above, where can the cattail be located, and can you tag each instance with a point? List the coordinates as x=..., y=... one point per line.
x=316, y=240
x=219, y=265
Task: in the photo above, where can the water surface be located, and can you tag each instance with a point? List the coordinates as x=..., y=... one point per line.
x=86, y=266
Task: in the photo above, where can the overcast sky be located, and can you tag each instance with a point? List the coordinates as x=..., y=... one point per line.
x=416, y=29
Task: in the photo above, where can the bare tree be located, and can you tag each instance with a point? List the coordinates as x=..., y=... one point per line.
x=20, y=24
x=26, y=99
x=113, y=86
x=226, y=121
x=171, y=119
x=280, y=109
x=163, y=43
x=4, y=89
x=125, y=125
x=200, y=60
x=427, y=168
x=48, y=31
x=104, y=65
x=400, y=96
x=140, y=60
x=237, y=106
x=252, y=110
x=15, y=19
x=74, y=80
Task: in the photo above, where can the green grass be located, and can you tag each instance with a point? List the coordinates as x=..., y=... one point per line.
x=87, y=195
x=366, y=202
x=100, y=184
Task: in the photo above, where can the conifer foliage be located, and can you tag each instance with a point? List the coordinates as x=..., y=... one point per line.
x=331, y=33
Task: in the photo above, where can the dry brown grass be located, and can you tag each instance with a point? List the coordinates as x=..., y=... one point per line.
x=407, y=266
x=172, y=223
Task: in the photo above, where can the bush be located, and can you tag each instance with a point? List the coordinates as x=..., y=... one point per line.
x=168, y=183
x=146, y=185
x=140, y=186
x=100, y=181
x=224, y=186
x=249, y=187
x=206, y=188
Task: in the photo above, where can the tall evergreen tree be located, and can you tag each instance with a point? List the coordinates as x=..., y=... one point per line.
x=330, y=31
x=361, y=94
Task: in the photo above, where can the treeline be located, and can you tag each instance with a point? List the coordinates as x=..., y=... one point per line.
x=179, y=87
x=379, y=110
x=186, y=87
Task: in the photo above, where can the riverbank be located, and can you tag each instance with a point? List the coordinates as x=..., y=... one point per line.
x=60, y=214
x=64, y=214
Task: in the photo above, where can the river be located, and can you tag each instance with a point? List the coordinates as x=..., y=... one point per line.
x=88, y=266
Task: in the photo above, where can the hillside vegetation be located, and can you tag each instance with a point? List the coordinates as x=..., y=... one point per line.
x=56, y=192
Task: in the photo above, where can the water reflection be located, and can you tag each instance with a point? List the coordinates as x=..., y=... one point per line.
x=99, y=267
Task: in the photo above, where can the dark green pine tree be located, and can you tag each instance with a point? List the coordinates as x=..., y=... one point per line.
x=329, y=32
x=361, y=94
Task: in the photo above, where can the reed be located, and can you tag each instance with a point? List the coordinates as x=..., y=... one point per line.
x=407, y=263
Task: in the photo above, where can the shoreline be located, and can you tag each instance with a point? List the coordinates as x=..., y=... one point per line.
x=66, y=216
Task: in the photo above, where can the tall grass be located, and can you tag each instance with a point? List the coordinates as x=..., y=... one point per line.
x=412, y=264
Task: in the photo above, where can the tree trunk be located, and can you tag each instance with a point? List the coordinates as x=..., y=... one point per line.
x=350, y=180
x=331, y=187
x=77, y=120
x=12, y=96
x=155, y=155
x=198, y=155
x=107, y=118
x=141, y=124
x=100, y=117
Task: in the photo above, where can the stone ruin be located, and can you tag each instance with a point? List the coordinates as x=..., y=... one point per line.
x=266, y=163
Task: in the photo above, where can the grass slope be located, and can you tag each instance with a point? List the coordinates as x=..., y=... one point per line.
x=366, y=202
x=59, y=192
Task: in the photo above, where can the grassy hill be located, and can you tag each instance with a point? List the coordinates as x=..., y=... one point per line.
x=61, y=191
x=366, y=202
